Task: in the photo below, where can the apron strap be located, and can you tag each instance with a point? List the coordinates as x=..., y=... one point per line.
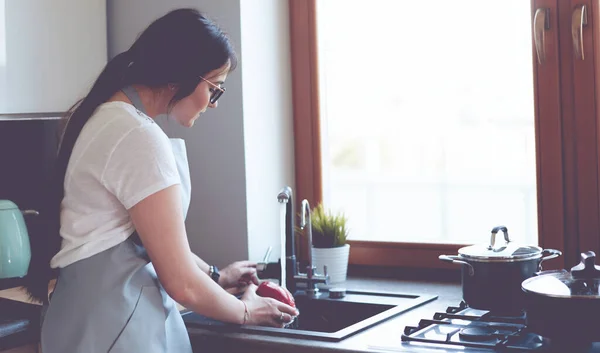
x=134, y=97
x=136, y=101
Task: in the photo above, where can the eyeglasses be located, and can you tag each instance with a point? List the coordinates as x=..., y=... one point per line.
x=216, y=91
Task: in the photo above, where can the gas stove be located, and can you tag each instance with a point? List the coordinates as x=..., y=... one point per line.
x=466, y=329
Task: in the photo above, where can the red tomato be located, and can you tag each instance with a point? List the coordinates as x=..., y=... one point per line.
x=271, y=290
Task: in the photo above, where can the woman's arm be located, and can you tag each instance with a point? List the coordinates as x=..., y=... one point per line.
x=159, y=222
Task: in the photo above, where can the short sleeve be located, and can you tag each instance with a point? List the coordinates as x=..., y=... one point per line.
x=141, y=164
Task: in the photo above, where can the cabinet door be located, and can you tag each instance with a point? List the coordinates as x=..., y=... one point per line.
x=50, y=53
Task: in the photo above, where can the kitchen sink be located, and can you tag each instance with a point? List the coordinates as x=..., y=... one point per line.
x=324, y=317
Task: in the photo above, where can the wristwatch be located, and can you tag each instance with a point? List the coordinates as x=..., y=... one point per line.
x=213, y=272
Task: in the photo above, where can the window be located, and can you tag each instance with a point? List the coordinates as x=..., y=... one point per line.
x=429, y=123
x=428, y=135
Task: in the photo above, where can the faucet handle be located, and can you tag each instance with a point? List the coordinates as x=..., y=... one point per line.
x=267, y=254
x=262, y=266
x=324, y=270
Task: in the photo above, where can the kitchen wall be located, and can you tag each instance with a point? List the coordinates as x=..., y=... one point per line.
x=240, y=154
x=268, y=123
x=46, y=60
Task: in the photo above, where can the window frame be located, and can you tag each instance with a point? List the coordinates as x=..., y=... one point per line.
x=567, y=147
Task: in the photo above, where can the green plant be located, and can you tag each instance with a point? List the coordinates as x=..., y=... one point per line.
x=329, y=230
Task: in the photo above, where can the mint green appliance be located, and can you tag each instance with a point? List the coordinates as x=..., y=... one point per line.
x=15, y=252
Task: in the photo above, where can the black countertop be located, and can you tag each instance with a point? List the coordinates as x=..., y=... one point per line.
x=382, y=338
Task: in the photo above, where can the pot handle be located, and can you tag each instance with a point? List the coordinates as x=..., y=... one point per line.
x=493, y=238
x=455, y=260
x=550, y=254
x=550, y=272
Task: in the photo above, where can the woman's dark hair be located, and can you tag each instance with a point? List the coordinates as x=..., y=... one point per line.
x=176, y=49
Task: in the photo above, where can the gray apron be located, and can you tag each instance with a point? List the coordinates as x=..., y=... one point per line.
x=113, y=301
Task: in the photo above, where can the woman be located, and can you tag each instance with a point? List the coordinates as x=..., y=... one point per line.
x=119, y=200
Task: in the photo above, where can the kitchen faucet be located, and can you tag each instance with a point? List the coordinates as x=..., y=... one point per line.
x=311, y=277
x=288, y=264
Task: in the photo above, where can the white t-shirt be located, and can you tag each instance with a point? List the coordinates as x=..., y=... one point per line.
x=121, y=157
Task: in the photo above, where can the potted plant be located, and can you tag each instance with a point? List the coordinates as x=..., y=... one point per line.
x=329, y=235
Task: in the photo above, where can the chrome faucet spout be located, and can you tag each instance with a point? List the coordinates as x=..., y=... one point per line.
x=288, y=258
x=306, y=222
x=285, y=195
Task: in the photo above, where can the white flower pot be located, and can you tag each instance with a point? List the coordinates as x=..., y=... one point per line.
x=336, y=260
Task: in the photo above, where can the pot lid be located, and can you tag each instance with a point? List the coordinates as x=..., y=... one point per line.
x=507, y=251
x=582, y=282
x=7, y=205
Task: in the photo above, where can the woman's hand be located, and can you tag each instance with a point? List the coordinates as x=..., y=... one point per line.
x=238, y=274
x=265, y=311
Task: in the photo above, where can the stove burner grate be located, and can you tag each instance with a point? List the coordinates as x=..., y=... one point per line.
x=469, y=327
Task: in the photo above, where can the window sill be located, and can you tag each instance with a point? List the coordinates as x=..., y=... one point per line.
x=409, y=255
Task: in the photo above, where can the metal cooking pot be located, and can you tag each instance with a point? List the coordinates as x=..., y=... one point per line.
x=492, y=274
x=565, y=306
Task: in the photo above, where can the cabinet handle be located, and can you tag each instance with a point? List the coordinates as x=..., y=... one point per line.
x=578, y=22
x=541, y=23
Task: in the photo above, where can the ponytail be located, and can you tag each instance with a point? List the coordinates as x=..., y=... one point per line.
x=44, y=231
